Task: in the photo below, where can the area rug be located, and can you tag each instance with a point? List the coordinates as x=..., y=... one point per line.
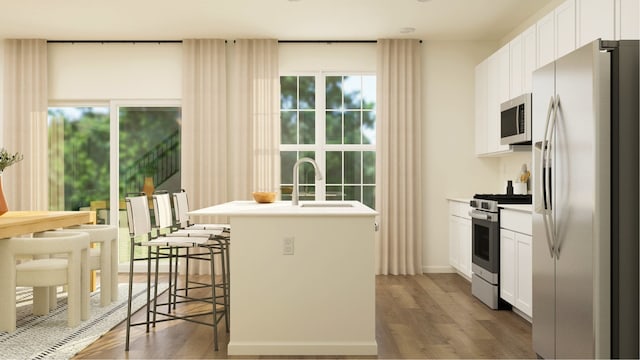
x=48, y=337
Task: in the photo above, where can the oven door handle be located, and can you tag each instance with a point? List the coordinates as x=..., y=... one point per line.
x=481, y=215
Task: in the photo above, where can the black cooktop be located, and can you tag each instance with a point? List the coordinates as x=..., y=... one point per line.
x=505, y=198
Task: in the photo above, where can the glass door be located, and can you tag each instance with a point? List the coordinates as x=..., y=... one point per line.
x=148, y=157
x=79, y=159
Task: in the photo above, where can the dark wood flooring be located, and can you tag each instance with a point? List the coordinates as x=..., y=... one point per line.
x=417, y=317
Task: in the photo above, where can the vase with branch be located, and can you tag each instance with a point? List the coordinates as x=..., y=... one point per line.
x=6, y=159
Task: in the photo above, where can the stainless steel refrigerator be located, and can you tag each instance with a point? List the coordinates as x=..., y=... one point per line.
x=585, y=194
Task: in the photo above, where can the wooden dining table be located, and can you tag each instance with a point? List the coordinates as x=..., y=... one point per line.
x=16, y=223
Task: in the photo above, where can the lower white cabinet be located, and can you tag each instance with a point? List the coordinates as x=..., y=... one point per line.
x=516, y=278
x=460, y=237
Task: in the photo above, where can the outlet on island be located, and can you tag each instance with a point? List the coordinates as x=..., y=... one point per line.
x=288, y=245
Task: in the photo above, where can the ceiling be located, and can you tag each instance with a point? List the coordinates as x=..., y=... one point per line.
x=280, y=19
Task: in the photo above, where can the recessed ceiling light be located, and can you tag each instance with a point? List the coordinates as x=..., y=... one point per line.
x=407, y=30
x=423, y=0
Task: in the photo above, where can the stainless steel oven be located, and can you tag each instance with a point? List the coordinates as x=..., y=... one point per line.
x=485, y=246
x=485, y=251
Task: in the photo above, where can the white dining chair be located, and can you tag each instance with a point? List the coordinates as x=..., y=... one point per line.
x=44, y=272
x=103, y=258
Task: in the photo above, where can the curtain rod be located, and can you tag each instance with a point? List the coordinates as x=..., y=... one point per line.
x=328, y=41
x=114, y=41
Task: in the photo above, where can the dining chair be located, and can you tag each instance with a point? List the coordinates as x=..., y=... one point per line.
x=43, y=272
x=161, y=246
x=103, y=258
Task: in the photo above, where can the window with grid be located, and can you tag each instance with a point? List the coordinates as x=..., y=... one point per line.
x=330, y=118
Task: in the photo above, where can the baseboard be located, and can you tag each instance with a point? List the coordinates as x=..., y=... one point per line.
x=438, y=269
x=236, y=348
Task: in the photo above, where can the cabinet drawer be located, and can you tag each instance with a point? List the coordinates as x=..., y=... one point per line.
x=460, y=209
x=516, y=220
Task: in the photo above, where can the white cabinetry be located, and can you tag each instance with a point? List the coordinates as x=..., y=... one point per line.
x=492, y=77
x=516, y=259
x=545, y=39
x=460, y=237
x=594, y=20
x=523, y=62
x=627, y=19
x=565, y=28
x=481, y=106
x=556, y=33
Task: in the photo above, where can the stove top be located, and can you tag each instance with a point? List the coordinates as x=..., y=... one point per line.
x=505, y=198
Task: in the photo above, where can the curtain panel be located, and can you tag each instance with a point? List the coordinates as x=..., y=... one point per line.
x=398, y=159
x=255, y=125
x=25, y=123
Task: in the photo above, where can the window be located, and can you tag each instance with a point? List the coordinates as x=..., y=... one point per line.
x=330, y=118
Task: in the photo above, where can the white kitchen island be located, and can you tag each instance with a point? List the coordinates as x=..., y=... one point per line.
x=302, y=278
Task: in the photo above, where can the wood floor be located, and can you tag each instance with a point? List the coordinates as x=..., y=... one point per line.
x=417, y=317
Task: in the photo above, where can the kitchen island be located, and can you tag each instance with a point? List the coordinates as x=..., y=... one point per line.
x=302, y=278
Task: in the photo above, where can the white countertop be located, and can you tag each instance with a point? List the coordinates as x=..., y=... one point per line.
x=284, y=208
x=524, y=208
x=462, y=200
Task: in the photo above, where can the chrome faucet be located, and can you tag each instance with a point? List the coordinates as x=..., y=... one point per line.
x=294, y=193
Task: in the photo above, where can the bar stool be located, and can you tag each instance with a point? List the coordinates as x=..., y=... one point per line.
x=162, y=246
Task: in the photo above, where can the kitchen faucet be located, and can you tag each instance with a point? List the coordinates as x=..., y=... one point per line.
x=294, y=193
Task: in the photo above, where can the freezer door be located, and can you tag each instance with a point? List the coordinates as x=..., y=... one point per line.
x=543, y=302
x=580, y=167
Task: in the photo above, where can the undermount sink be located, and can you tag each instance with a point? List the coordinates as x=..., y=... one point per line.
x=327, y=205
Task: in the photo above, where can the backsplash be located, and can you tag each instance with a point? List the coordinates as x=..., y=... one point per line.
x=510, y=169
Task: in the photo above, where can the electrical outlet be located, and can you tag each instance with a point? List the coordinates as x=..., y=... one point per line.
x=288, y=245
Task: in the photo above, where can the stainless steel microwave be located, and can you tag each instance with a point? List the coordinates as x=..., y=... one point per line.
x=515, y=120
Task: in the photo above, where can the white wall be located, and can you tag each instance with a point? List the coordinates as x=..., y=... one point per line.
x=451, y=168
x=97, y=71
x=345, y=57
x=1, y=91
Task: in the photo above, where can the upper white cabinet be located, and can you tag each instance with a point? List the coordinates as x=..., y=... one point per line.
x=565, y=27
x=492, y=76
x=545, y=38
x=481, y=106
x=523, y=62
x=627, y=19
x=594, y=20
x=556, y=33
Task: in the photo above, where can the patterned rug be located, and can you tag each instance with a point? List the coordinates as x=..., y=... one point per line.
x=48, y=337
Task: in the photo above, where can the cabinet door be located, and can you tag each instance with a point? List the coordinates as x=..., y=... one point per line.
x=498, y=86
x=504, y=68
x=481, y=108
x=524, y=273
x=594, y=20
x=516, y=76
x=627, y=19
x=464, y=228
x=545, y=38
x=529, y=57
x=565, y=28
x=507, y=266
x=454, y=243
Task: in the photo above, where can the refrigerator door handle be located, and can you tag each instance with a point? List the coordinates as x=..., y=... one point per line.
x=542, y=165
x=544, y=206
x=552, y=133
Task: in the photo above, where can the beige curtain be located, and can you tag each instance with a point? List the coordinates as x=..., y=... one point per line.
x=255, y=124
x=204, y=127
x=25, y=123
x=399, y=165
